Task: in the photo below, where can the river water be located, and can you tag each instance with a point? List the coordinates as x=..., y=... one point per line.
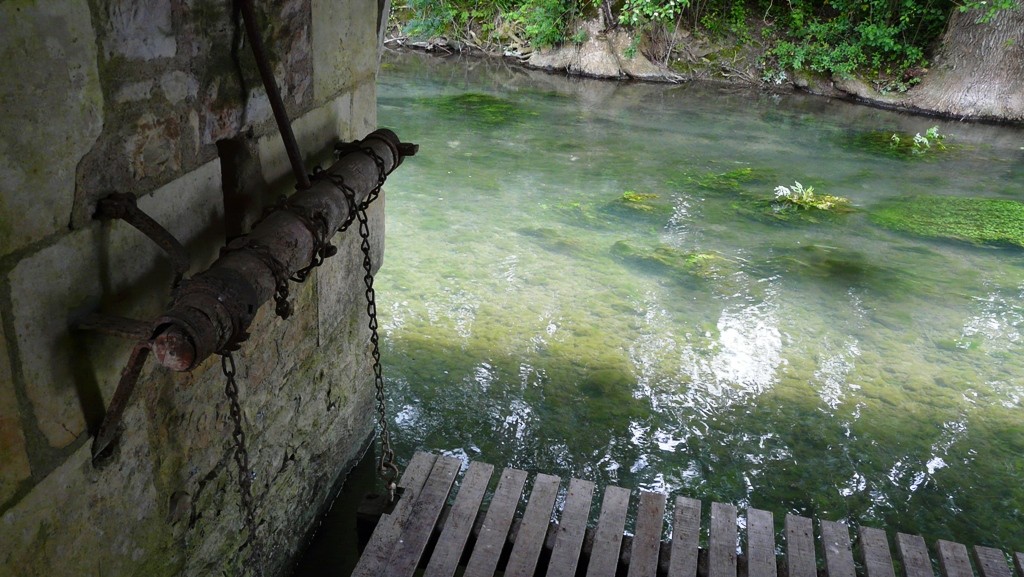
x=829, y=368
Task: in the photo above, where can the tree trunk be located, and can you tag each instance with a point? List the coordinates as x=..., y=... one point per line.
x=979, y=70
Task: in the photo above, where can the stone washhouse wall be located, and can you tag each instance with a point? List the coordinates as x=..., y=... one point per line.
x=161, y=98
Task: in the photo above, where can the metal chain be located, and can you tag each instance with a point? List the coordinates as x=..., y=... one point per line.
x=241, y=455
x=387, y=468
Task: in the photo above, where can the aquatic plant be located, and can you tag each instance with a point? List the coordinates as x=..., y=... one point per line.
x=802, y=198
x=920, y=144
x=650, y=206
x=733, y=180
x=901, y=144
x=973, y=220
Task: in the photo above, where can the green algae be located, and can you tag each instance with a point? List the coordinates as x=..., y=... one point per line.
x=483, y=109
x=673, y=261
x=644, y=204
x=733, y=181
x=979, y=221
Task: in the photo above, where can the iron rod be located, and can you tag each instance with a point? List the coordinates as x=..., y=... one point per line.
x=274, y=94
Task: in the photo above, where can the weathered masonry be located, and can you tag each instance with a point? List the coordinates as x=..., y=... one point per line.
x=161, y=99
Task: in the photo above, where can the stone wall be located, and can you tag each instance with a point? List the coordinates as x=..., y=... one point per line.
x=161, y=98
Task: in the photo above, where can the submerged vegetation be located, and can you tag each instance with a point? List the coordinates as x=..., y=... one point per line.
x=973, y=220
x=676, y=262
x=900, y=144
x=482, y=108
x=733, y=180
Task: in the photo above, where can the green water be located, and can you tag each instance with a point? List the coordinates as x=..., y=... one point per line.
x=682, y=337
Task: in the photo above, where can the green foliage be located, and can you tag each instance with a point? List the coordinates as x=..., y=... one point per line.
x=544, y=21
x=642, y=12
x=973, y=220
x=842, y=37
x=986, y=9
x=541, y=22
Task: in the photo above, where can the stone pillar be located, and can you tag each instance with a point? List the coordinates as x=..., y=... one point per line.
x=134, y=96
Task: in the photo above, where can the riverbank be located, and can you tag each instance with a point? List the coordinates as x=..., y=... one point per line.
x=619, y=54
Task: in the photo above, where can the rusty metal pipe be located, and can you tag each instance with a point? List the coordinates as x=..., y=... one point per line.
x=213, y=310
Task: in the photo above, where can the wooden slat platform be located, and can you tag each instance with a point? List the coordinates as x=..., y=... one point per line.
x=521, y=537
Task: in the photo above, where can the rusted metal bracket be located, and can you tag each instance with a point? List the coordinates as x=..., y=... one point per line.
x=211, y=312
x=123, y=206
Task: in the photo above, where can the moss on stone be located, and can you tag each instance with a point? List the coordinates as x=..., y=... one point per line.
x=982, y=221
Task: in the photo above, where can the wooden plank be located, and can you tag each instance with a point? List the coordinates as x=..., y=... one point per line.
x=650, y=517
x=494, y=531
x=953, y=559
x=991, y=562
x=835, y=540
x=722, y=541
x=685, y=538
x=530, y=539
x=875, y=548
x=761, y=560
x=571, y=528
x=418, y=528
x=604, y=558
x=377, y=553
x=1018, y=560
x=459, y=524
x=914, y=556
x=800, y=547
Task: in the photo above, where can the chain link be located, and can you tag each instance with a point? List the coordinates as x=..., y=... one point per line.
x=245, y=475
x=386, y=467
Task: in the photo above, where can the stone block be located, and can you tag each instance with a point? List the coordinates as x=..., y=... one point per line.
x=78, y=519
x=53, y=114
x=153, y=147
x=316, y=132
x=110, y=266
x=364, y=110
x=14, y=468
x=340, y=287
x=139, y=30
x=344, y=45
x=134, y=92
x=178, y=86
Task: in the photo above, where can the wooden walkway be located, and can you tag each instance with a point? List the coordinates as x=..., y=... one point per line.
x=422, y=533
